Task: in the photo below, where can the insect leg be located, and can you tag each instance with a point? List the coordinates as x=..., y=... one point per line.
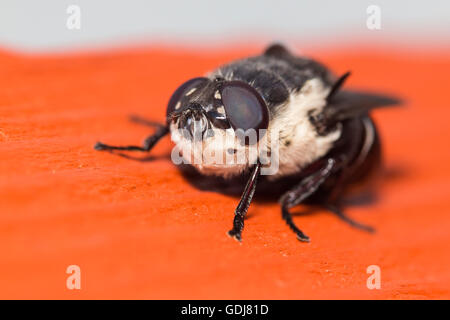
x=341, y=215
x=149, y=123
x=244, y=203
x=333, y=203
x=302, y=191
x=147, y=145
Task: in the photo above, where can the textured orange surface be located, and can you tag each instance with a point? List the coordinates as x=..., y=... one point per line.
x=138, y=229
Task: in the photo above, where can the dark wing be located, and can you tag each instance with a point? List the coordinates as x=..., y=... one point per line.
x=353, y=104
x=347, y=104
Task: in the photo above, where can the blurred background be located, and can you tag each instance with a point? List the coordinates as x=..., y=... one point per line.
x=41, y=25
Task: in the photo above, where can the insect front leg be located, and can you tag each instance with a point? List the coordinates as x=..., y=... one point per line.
x=148, y=144
x=145, y=122
x=302, y=191
x=244, y=203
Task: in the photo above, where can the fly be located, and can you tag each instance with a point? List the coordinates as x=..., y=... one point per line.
x=325, y=137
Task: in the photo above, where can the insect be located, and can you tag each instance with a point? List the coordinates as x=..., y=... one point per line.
x=326, y=139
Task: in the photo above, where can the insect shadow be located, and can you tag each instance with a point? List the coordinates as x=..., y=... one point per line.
x=366, y=195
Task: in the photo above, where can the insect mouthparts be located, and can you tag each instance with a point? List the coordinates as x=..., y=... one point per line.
x=196, y=127
x=193, y=121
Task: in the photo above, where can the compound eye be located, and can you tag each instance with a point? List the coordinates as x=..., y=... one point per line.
x=181, y=91
x=244, y=106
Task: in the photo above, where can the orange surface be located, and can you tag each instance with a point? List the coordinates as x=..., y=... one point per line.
x=138, y=229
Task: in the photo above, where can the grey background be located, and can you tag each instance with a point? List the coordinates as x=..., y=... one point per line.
x=41, y=24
